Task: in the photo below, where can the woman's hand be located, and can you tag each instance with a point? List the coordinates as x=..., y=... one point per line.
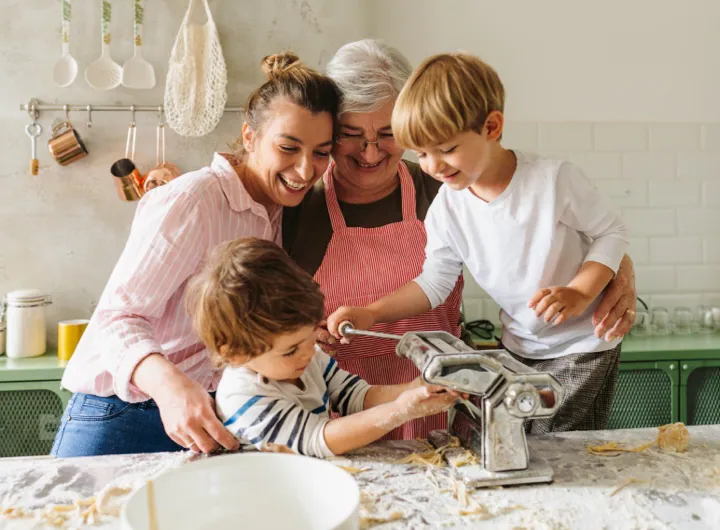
x=186, y=409
x=616, y=313
x=359, y=317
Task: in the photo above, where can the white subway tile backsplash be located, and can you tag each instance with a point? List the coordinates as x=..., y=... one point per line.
x=474, y=309
x=711, y=192
x=698, y=278
x=624, y=192
x=471, y=288
x=665, y=180
x=566, y=136
x=650, y=222
x=711, y=137
x=621, y=137
x=602, y=165
x=699, y=165
x=521, y=136
x=649, y=165
x=675, y=137
x=491, y=311
x=669, y=250
x=698, y=221
x=674, y=192
x=673, y=301
x=712, y=299
x=654, y=279
x=639, y=250
x=711, y=249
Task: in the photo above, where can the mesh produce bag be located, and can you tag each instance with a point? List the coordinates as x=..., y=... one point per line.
x=196, y=86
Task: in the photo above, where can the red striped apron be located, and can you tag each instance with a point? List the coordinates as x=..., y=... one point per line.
x=362, y=265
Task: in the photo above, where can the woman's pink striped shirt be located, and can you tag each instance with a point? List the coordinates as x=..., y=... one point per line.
x=141, y=310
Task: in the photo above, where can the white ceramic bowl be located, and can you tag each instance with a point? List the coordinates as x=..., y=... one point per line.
x=250, y=491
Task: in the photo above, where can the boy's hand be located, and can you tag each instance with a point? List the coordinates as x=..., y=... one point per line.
x=559, y=303
x=424, y=401
x=360, y=317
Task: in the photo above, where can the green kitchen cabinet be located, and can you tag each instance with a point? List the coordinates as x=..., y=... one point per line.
x=700, y=392
x=647, y=395
x=31, y=404
x=691, y=364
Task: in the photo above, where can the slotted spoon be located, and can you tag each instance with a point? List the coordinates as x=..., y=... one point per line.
x=137, y=72
x=104, y=73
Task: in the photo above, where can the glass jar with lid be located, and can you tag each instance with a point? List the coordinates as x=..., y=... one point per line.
x=26, y=332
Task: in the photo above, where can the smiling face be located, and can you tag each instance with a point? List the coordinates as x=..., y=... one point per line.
x=462, y=160
x=289, y=356
x=367, y=169
x=288, y=155
x=459, y=162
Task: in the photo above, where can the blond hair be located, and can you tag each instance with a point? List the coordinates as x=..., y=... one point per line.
x=249, y=292
x=446, y=95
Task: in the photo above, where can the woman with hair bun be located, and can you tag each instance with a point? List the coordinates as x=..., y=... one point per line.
x=142, y=380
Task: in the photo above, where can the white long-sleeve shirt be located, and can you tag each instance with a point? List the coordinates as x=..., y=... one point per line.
x=260, y=411
x=537, y=233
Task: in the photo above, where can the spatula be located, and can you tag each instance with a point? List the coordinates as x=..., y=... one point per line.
x=137, y=72
x=104, y=73
x=66, y=67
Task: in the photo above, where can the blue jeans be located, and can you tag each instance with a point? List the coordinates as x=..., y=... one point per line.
x=93, y=425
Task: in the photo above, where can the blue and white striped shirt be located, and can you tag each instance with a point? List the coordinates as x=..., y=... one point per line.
x=259, y=411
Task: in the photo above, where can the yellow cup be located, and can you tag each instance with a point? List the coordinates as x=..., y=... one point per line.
x=69, y=333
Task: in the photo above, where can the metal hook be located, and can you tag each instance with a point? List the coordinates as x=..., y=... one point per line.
x=161, y=116
x=32, y=109
x=89, y=116
x=66, y=108
x=132, y=115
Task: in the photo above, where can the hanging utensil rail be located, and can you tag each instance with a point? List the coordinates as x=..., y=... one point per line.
x=34, y=107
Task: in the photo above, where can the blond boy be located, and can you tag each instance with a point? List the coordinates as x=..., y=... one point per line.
x=533, y=232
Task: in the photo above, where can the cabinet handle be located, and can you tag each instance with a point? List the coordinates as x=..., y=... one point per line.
x=671, y=367
x=685, y=367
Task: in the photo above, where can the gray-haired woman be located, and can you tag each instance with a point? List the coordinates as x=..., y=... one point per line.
x=359, y=231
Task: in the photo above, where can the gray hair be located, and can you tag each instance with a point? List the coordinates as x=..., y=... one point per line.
x=369, y=73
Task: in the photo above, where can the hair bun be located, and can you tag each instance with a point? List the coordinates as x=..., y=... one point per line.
x=275, y=65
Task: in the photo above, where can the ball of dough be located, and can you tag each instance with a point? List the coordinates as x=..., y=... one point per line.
x=673, y=438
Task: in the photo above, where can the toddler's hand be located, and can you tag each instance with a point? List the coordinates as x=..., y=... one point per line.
x=559, y=303
x=424, y=401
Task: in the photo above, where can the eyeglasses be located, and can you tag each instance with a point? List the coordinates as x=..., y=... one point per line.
x=357, y=142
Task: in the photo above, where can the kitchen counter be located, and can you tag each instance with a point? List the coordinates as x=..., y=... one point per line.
x=670, y=347
x=42, y=368
x=674, y=490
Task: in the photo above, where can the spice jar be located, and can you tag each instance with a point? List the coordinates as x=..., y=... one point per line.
x=26, y=328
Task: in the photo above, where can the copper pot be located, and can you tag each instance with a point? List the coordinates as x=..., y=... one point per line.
x=128, y=180
x=163, y=172
x=65, y=144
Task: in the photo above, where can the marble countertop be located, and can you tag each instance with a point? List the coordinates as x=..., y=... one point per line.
x=665, y=490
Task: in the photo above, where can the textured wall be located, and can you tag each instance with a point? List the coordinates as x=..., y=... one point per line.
x=63, y=230
x=631, y=98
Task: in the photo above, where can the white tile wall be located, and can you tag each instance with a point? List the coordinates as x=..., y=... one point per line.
x=665, y=180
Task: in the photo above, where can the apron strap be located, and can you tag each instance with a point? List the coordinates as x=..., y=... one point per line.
x=336, y=216
x=407, y=193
